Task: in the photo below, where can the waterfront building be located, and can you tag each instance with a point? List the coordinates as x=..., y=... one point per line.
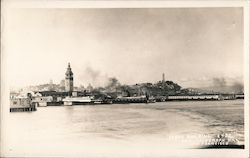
x=134, y=99
x=42, y=100
x=69, y=86
x=194, y=97
x=47, y=98
x=22, y=103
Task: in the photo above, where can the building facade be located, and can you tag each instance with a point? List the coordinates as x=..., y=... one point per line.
x=69, y=86
x=22, y=104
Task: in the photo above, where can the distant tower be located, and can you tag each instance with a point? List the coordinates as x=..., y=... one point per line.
x=69, y=80
x=163, y=83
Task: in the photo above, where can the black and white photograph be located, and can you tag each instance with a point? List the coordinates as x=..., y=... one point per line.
x=152, y=79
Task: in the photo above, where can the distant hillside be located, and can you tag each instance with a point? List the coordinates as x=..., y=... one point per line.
x=152, y=89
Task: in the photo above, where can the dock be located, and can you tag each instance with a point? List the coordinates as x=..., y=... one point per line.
x=22, y=104
x=22, y=109
x=125, y=100
x=195, y=97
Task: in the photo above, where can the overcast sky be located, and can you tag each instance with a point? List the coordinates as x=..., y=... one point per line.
x=191, y=46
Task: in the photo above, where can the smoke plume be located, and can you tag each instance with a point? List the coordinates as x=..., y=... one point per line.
x=238, y=87
x=219, y=82
x=112, y=84
x=227, y=85
x=93, y=77
x=98, y=79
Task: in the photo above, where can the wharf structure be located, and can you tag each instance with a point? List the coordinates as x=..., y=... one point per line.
x=194, y=97
x=139, y=99
x=47, y=98
x=239, y=96
x=200, y=97
x=134, y=99
x=22, y=104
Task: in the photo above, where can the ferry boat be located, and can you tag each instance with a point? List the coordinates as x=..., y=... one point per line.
x=77, y=100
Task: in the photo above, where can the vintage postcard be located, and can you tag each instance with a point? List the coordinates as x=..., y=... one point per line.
x=125, y=79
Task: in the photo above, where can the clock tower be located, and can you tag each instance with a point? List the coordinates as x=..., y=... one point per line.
x=69, y=80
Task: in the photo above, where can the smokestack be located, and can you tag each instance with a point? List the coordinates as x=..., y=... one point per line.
x=163, y=78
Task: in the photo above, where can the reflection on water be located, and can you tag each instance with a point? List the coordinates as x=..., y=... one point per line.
x=93, y=130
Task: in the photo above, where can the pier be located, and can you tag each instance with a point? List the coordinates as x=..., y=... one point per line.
x=23, y=109
x=195, y=97
x=125, y=100
x=22, y=104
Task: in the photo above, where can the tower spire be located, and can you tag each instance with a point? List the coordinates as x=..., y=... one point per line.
x=69, y=79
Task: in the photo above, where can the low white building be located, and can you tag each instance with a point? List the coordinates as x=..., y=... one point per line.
x=42, y=100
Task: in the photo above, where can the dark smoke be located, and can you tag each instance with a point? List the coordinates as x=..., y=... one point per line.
x=219, y=82
x=112, y=84
x=93, y=74
x=93, y=77
x=221, y=85
x=238, y=87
